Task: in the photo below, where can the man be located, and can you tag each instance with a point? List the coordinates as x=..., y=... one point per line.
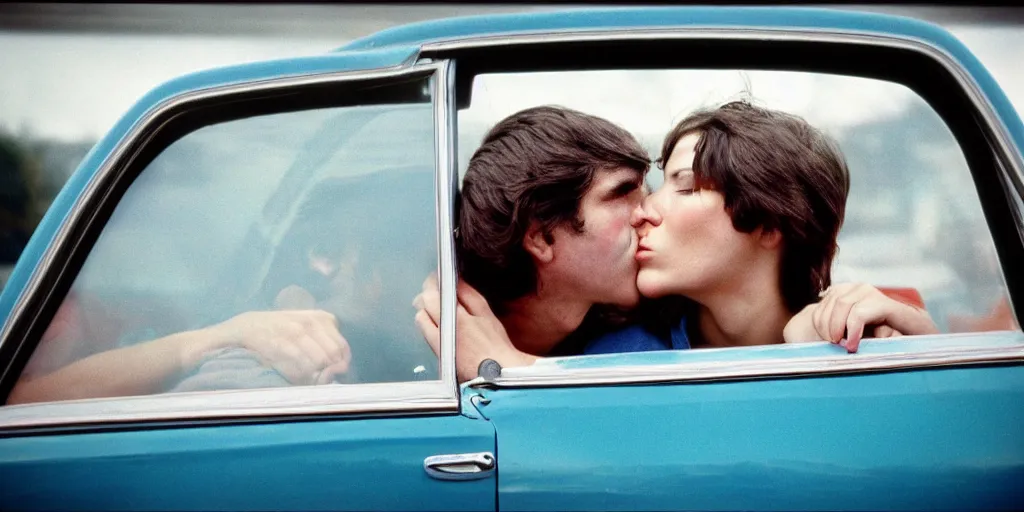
x=545, y=202
x=545, y=235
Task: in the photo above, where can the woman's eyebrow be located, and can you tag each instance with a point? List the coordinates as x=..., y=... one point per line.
x=670, y=174
x=673, y=173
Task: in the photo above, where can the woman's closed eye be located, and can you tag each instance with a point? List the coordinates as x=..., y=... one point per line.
x=683, y=181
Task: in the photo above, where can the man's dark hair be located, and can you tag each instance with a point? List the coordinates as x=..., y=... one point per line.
x=533, y=166
x=776, y=172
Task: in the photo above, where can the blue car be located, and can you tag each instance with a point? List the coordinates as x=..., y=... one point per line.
x=329, y=182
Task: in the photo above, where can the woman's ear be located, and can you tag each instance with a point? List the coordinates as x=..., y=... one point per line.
x=769, y=239
x=538, y=244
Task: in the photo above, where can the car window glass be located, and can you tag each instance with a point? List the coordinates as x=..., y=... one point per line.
x=913, y=217
x=259, y=252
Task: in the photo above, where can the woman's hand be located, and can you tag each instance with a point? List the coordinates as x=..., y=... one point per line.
x=856, y=311
x=479, y=333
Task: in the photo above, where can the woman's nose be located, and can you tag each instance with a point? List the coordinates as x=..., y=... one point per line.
x=644, y=214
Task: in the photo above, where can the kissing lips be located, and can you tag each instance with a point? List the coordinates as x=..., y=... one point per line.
x=643, y=252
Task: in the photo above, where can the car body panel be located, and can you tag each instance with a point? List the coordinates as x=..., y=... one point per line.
x=332, y=464
x=946, y=439
x=896, y=346
x=640, y=18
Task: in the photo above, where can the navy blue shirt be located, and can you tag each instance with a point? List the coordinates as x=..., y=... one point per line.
x=637, y=338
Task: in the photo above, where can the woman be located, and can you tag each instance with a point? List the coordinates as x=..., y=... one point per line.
x=745, y=228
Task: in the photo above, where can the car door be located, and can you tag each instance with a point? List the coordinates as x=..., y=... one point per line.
x=719, y=438
x=310, y=184
x=922, y=422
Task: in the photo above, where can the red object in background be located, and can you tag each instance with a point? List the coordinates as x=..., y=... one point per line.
x=999, y=317
x=905, y=295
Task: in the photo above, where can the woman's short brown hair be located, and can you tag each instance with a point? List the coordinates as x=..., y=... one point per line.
x=776, y=172
x=533, y=166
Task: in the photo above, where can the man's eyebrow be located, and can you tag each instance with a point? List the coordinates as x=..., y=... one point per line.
x=624, y=186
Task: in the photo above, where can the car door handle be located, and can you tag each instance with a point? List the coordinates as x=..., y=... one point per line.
x=460, y=466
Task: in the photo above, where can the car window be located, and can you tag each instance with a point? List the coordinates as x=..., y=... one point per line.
x=913, y=217
x=275, y=250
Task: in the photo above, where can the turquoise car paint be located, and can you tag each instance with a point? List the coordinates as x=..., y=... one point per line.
x=809, y=19
x=473, y=403
x=940, y=438
x=945, y=439
x=356, y=464
x=917, y=344
x=626, y=18
x=63, y=203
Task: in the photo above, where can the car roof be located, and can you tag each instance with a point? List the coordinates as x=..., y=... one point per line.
x=598, y=19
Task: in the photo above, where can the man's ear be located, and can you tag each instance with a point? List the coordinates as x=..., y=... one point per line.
x=539, y=244
x=769, y=238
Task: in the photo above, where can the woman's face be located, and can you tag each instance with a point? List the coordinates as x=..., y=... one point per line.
x=688, y=245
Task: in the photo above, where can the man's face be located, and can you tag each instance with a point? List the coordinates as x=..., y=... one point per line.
x=340, y=285
x=599, y=264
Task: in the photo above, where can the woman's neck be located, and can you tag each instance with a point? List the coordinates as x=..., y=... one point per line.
x=751, y=313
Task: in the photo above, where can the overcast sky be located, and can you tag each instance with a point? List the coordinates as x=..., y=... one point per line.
x=70, y=76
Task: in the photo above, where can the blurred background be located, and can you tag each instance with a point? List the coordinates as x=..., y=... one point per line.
x=70, y=71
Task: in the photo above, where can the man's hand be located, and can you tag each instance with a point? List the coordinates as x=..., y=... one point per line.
x=479, y=333
x=305, y=347
x=856, y=311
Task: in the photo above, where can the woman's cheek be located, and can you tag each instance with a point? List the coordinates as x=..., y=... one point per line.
x=686, y=213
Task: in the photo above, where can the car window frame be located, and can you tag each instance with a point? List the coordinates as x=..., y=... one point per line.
x=792, y=360
x=63, y=259
x=525, y=52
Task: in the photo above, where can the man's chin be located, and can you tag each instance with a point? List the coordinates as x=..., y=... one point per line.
x=630, y=301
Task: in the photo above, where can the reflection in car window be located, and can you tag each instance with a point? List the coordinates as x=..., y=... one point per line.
x=271, y=251
x=913, y=217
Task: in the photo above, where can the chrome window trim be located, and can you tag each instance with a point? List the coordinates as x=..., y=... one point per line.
x=547, y=373
x=334, y=399
x=441, y=396
x=1013, y=175
x=444, y=134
